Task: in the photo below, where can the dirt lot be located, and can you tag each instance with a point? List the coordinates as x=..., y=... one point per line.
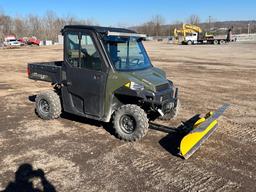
x=76, y=154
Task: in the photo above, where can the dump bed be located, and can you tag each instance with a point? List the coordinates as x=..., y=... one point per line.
x=46, y=71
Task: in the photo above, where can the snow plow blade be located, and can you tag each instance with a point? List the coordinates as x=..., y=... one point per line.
x=200, y=132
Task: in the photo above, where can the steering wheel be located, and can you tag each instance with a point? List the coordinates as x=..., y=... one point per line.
x=136, y=61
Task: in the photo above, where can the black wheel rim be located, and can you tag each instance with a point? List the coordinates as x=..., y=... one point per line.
x=44, y=107
x=128, y=124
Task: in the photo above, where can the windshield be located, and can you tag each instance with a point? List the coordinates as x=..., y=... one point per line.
x=127, y=53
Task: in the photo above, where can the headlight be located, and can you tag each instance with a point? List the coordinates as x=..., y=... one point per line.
x=134, y=86
x=170, y=82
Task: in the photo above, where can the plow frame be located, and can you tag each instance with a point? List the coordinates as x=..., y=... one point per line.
x=200, y=127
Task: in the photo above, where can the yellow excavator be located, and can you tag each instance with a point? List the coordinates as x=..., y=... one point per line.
x=191, y=34
x=187, y=30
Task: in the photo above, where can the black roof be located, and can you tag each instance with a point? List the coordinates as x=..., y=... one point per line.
x=99, y=29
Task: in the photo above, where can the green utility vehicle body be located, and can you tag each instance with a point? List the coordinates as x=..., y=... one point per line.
x=103, y=70
x=107, y=75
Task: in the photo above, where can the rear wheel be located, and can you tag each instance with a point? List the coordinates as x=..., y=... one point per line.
x=222, y=42
x=130, y=123
x=48, y=105
x=215, y=42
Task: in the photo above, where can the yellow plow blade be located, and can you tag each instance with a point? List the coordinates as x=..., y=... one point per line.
x=201, y=131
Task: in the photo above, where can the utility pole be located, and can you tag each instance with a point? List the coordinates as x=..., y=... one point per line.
x=248, y=28
x=210, y=22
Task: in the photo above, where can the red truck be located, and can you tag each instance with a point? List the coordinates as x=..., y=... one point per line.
x=30, y=41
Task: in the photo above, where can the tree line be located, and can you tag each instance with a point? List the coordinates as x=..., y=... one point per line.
x=157, y=26
x=49, y=25
x=44, y=27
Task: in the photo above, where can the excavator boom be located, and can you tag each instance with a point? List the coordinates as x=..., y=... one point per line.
x=186, y=29
x=192, y=27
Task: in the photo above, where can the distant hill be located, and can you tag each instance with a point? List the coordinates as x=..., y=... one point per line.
x=239, y=27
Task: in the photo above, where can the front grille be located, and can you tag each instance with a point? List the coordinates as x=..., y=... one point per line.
x=167, y=107
x=162, y=87
x=165, y=97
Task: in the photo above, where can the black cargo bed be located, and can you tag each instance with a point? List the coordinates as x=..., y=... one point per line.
x=46, y=71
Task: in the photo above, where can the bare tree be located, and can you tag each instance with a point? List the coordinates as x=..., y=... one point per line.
x=70, y=20
x=175, y=25
x=20, y=26
x=147, y=28
x=158, y=21
x=50, y=29
x=212, y=23
x=6, y=24
x=35, y=26
x=193, y=19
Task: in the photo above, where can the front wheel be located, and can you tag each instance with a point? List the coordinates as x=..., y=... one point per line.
x=130, y=123
x=189, y=43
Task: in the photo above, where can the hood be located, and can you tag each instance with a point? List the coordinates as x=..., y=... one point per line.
x=150, y=78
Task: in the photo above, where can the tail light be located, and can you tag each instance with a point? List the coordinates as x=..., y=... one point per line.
x=28, y=71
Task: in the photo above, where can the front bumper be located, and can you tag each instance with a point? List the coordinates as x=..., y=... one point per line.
x=164, y=100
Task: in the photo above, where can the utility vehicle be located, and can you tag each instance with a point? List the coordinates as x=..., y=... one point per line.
x=107, y=75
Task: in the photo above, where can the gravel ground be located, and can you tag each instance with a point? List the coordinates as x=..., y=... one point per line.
x=76, y=154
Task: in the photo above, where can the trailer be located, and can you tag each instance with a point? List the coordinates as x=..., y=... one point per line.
x=198, y=38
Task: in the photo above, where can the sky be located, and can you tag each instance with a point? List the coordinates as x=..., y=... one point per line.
x=132, y=12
